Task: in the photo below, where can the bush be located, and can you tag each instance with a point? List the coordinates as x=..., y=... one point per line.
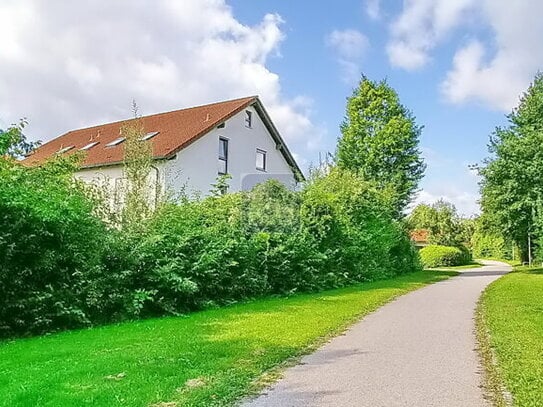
x=438, y=256
x=270, y=240
x=486, y=245
x=50, y=244
x=63, y=268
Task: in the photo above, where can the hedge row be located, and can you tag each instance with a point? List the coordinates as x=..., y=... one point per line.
x=439, y=256
x=62, y=267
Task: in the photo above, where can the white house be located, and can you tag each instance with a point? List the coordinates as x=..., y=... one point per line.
x=191, y=148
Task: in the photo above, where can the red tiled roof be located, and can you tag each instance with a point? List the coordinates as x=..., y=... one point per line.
x=176, y=129
x=420, y=235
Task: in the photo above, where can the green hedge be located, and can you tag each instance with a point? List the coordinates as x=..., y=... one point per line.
x=438, y=256
x=50, y=246
x=62, y=267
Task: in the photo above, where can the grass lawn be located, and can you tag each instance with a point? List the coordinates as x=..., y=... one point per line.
x=209, y=358
x=511, y=328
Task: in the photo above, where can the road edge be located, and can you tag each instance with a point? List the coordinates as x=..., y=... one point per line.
x=493, y=383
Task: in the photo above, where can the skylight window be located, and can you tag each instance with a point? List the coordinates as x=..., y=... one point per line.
x=115, y=142
x=89, y=146
x=64, y=150
x=149, y=135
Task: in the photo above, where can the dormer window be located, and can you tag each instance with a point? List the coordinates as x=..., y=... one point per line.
x=115, y=142
x=89, y=146
x=149, y=135
x=64, y=149
x=248, y=119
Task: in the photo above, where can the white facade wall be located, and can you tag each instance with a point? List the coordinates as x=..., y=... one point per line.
x=195, y=168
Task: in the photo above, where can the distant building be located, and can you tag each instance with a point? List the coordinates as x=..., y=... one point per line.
x=420, y=237
x=191, y=148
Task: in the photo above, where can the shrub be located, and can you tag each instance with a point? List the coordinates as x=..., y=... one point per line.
x=437, y=256
x=50, y=243
x=354, y=226
x=63, y=268
x=486, y=245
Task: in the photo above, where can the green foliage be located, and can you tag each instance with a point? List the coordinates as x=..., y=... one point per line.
x=269, y=240
x=137, y=168
x=437, y=256
x=489, y=246
x=13, y=142
x=354, y=226
x=152, y=362
x=50, y=243
x=445, y=226
x=512, y=324
x=512, y=186
x=63, y=266
x=380, y=141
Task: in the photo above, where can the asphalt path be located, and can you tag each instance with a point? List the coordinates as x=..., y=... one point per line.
x=417, y=351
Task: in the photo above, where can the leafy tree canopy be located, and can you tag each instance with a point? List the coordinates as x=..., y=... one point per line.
x=380, y=141
x=512, y=186
x=13, y=142
x=443, y=223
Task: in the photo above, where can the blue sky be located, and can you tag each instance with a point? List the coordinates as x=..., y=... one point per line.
x=454, y=135
x=459, y=66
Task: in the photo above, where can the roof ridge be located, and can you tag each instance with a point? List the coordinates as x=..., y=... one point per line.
x=161, y=113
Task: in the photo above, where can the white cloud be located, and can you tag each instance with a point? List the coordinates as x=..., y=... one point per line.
x=349, y=46
x=492, y=67
x=421, y=25
x=373, y=9
x=497, y=79
x=465, y=202
x=451, y=180
x=66, y=65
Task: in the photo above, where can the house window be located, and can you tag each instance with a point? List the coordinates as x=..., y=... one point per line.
x=221, y=126
x=248, y=119
x=223, y=156
x=260, y=160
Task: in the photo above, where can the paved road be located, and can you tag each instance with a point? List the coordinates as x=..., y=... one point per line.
x=417, y=351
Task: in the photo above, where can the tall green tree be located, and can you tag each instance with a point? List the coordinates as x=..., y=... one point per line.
x=380, y=141
x=512, y=185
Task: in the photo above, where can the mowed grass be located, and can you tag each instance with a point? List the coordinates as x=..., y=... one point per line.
x=511, y=312
x=209, y=358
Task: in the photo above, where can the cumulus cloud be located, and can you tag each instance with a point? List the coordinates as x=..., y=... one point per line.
x=71, y=64
x=373, y=9
x=493, y=66
x=421, y=25
x=465, y=202
x=496, y=75
x=349, y=46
